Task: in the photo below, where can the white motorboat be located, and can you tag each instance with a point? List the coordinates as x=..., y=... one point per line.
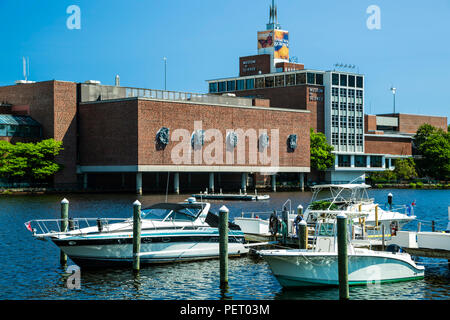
x=353, y=197
x=170, y=232
x=318, y=266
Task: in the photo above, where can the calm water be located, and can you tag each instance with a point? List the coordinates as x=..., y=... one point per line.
x=29, y=269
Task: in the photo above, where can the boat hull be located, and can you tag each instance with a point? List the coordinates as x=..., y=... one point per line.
x=312, y=269
x=154, y=249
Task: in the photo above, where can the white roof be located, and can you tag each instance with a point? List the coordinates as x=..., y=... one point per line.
x=342, y=186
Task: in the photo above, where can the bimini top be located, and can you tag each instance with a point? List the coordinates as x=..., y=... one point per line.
x=349, y=186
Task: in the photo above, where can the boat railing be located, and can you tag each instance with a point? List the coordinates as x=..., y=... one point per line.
x=74, y=226
x=261, y=214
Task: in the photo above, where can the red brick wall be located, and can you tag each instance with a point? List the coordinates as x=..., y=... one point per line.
x=293, y=97
x=409, y=123
x=53, y=104
x=370, y=123
x=108, y=133
x=123, y=132
x=386, y=145
x=155, y=114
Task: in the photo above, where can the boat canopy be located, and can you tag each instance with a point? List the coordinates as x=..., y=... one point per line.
x=173, y=211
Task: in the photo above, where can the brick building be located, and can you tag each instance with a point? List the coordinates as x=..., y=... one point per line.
x=248, y=130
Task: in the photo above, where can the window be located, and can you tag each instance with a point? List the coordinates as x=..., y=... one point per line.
x=376, y=161
x=290, y=79
x=301, y=78
x=279, y=81
x=351, y=93
x=319, y=78
x=343, y=122
x=335, y=121
x=335, y=92
x=335, y=138
x=360, y=161
x=359, y=107
x=343, y=92
x=231, y=85
x=334, y=105
x=359, y=82
x=222, y=86
x=343, y=80
x=343, y=106
x=351, y=139
x=359, y=123
x=343, y=139
x=351, y=81
x=359, y=140
x=351, y=122
x=351, y=106
x=250, y=84
x=240, y=84
x=269, y=82
x=259, y=83
x=359, y=93
x=2, y=130
x=386, y=163
x=213, y=87
x=12, y=131
x=311, y=78
x=343, y=161
x=335, y=79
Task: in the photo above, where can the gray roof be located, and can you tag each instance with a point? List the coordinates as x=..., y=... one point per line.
x=18, y=120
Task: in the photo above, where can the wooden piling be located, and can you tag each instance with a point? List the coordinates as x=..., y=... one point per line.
x=223, y=244
x=136, y=235
x=382, y=237
x=433, y=226
x=376, y=216
x=342, y=256
x=64, y=224
x=303, y=234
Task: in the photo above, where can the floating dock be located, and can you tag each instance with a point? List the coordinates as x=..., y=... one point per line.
x=230, y=196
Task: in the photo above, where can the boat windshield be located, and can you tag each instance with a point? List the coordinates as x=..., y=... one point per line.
x=172, y=213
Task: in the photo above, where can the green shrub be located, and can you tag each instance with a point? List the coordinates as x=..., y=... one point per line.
x=419, y=184
x=412, y=185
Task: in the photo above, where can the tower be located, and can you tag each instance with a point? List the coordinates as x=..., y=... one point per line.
x=273, y=40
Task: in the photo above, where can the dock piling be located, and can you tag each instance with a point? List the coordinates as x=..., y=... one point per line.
x=223, y=245
x=64, y=224
x=303, y=235
x=136, y=235
x=382, y=237
x=342, y=256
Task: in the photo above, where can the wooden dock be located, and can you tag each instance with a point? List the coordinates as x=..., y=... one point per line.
x=230, y=196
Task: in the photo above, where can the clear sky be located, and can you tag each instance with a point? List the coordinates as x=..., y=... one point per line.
x=203, y=39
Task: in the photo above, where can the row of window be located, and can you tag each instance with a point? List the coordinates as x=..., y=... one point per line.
x=342, y=121
x=266, y=82
x=19, y=131
x=345, y=80
x=352, y=139
x=360, y=161
x=351, y=106
x=342, y=92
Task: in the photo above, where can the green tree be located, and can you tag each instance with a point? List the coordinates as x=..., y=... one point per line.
x=433, y=148
x=29, y=161
x=322, y=157
x=405, y=169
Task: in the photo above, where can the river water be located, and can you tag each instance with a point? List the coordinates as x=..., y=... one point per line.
x=30, y=269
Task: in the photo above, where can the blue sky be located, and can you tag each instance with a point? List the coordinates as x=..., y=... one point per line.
x=203, y=39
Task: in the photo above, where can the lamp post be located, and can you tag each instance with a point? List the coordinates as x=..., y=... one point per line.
x=394, y=90
x=165, y=73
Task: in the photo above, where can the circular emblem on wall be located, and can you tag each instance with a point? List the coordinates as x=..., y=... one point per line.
x=263, y=141
x=292, y=142
x=197, y=139
x=162, y=138
x=232, y=139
